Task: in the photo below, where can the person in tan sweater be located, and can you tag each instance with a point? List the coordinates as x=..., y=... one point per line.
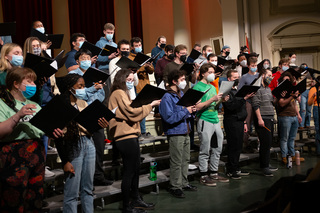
x=125, y=130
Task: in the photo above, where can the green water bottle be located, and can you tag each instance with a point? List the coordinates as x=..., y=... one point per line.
x=153, y=171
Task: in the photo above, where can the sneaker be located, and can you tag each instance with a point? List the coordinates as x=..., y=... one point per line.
x=272, y=169
x=267, y=172
x=48, y=173
x=50, y=148
x=146, y=135
x=189, y=188
x=243, y=173
x=177, y=193
x=206, y=180
x=192, y=167
x=140, y=204
x=217, y=177
x=234, y=176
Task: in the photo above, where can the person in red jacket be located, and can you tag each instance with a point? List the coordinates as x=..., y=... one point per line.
x=284, y=66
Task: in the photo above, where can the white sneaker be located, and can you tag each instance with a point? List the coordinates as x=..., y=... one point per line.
x=48, y=173
x=192, y=167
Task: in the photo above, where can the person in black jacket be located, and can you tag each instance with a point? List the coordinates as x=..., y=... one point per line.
x=234, y=125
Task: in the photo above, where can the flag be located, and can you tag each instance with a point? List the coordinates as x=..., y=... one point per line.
x=247, y=44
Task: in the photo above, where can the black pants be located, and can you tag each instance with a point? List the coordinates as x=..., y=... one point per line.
x=265, y=138
x=99, y=143
x=234, y=133
x=130, y=153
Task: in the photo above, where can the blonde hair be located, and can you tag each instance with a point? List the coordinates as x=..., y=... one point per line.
x=27, y=48
x=6, y=49
x=108, y=26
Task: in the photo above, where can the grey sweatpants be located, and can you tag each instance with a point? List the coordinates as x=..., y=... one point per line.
x=206, y=130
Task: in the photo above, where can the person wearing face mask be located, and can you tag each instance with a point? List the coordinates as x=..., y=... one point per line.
x=162, y=62
x=264, y=64
x=21, y=174
x=76, y=41
x=262, y=104
x=176, y=125
x=77, y=151
x=213, y=59
x=242, y=67
x=11, y=56
x=225, y=51
x=124, y=51
x=247, y=79
x=234, y=125
x=143, y=76
x=107, y=39
x=288, y=120
x=159, y=48
x=32, y=45
x=125, y=130
x=202, y=59
x=209, y=129
x=37, y=25
x=292, y=58
x=283, y=66
x=196, y=47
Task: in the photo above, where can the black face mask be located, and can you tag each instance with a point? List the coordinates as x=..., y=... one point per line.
x=162, y=46
x=236, y=82
x=183, y=58
x=171, y=56
x=125, y=53
x=227, y=53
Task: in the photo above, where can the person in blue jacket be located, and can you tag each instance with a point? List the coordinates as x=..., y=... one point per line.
x=176, y=126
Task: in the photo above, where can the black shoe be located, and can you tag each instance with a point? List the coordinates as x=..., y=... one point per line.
x=103, y=182
x=190, y=188
x=177, y=193
x=234, y=175
x=140, y=204
x=133, y=210
x=45, y=204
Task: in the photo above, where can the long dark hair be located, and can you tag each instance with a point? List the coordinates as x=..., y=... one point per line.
x=120, y=81
x=72, y=135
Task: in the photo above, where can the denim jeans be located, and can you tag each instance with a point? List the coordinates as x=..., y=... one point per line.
x=288, y=127
x=84, y=166
x=316, y=125
x=143, y=126
x=305, y=109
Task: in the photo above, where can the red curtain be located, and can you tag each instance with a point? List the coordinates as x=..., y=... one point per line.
x=89, y=17
x=24, y=13
x=136, y=18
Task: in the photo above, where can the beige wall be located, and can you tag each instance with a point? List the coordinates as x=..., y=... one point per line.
x=157, y=19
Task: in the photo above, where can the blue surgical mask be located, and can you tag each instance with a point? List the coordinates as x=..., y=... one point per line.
x=81, y=94
x=41, y=29
x=208, y=53
x=109, y=37
x=129, y=85
x=30, y=91
x=80, y=43
x=16, y=60
x=285, y=68
x=85, y=64
x=253, y=69
x=138, y=49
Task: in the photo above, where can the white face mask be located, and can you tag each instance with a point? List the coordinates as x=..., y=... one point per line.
x=182, y=84
x=243, y=63
x=266, y=66
x=293, y=60
x=215, y=63
x=210, y=77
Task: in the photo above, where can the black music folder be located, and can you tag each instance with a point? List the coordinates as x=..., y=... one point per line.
x=224, y=62
x=43, y=69
x=56, y=114
x=246, y=89
x=56, y=40
x=126, y=63
x=94, y=75
x=188, y=68
x=8, y=29
x=88, y=118
x=36, y=33
x=286, y=85
x=147, y=95
x=190, y=98
x=142, y=59
x=61, y=59
x=294, y=73
x=92, y=48
x=32, y=60
x=194, y=54
x=108, y=50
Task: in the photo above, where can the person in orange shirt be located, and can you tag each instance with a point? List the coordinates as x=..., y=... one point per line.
x=312, y=100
